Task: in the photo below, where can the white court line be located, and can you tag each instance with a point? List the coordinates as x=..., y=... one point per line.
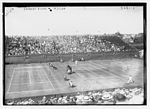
x=106, y=71
x=100, y=77
x=87, y=79
x=11, y=80
x=89, y=72
x=79, y=75
x=52, y=74
x=33, y=91
x=40, y=75
x=96, y=65
x=51, y=89
x=48, y=79
x=81, y=68
x=29, y=83
x=29, y=91
x=100, y=66
x=27, y=67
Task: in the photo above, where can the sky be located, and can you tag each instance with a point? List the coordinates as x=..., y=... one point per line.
x=37, y=21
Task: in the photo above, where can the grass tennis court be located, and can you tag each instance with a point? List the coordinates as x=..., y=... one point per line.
x=25, y=80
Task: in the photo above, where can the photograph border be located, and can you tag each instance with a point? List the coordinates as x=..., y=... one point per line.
x=92, y=4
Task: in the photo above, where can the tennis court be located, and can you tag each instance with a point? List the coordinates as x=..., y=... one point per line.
x=25, y=80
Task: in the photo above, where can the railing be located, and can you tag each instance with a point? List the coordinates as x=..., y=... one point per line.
x=66, y=57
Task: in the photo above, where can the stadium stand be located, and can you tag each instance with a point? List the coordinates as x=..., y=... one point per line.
x=43, y=49
x=17, y=46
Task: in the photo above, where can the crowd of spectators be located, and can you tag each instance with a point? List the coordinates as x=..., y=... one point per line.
x=108, y=96
x=20, y=45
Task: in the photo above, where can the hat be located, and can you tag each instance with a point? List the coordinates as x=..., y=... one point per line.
x=120, y=97
x=106, y=95
x=86, y=97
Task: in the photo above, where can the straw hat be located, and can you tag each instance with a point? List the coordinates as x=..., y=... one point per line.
x=86, y=98
x=106, y=96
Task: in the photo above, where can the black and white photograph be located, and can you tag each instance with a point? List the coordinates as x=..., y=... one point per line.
x=74, y=54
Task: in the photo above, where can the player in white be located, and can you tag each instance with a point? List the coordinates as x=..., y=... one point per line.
x=130, y=79
x=82, y=59
x=76, y=62
x=61, y=60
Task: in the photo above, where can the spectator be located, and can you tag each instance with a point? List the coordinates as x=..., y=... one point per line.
x=57, y=45
x=115, y=96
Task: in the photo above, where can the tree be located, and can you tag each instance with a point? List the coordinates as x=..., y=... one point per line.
x=119, y=34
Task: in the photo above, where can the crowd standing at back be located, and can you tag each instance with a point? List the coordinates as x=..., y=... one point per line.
x=20, y=45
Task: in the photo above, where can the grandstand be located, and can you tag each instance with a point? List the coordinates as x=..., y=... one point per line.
x=108, y=63
x=17, y=46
